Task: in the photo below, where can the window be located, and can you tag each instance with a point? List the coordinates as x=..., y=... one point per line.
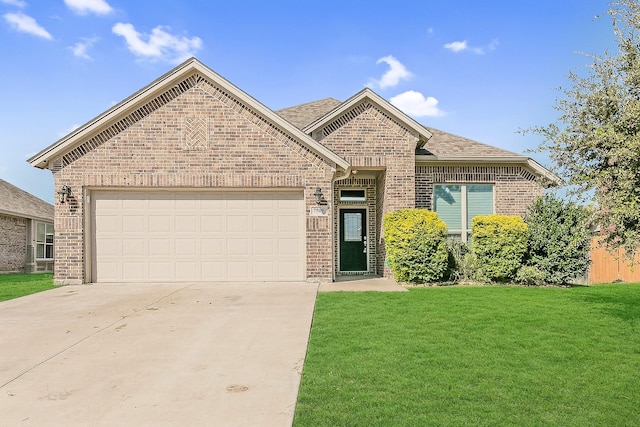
x=458, y=204
x=352, y=196
x=44, y=241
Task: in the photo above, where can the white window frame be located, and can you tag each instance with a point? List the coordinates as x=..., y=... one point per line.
x=44, y=243
x=464, y=232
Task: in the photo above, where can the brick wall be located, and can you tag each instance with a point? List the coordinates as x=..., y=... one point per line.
x=201, y=139
x=515, y=187
x=13, y=243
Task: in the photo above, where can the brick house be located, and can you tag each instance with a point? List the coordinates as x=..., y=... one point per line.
x=192, y=179
x=26, y=241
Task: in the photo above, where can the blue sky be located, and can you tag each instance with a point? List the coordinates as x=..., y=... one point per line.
x=480, y=69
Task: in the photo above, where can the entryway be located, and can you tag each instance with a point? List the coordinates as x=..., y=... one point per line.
x=354, y=257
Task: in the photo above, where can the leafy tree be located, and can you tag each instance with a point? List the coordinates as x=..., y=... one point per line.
x=559, y=239
x=596, y=142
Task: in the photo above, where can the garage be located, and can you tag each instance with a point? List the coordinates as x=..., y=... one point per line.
x=182, y=236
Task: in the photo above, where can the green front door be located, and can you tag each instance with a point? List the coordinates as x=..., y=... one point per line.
x=353, y=240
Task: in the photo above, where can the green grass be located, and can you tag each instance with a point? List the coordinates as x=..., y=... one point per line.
x=18, y=285
x=477, y=356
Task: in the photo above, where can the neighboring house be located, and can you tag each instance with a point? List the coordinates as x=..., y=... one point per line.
x=26, y=222
x=192, y=179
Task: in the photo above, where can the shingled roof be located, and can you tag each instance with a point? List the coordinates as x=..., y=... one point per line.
x=17, y=202
x=441, y=144
x=444, y=144
x=304, y=114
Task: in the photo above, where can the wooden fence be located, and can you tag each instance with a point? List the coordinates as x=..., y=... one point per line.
x=607, y=267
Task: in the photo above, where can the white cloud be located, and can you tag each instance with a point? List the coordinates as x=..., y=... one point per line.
x=159, y=44
x=415, y=104
x=456, y=46
x=16, y=3
x=391, y=78
x=484, y=49
x=462, y=46
x=26, y=24
x=84, y=7
x=81, y=48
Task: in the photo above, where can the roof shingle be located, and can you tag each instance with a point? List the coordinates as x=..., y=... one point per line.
x=446, y=144
x=304, y=114
x=17, y=202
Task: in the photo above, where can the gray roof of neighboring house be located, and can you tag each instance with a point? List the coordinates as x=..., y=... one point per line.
x=17, y=202
x=304, y=114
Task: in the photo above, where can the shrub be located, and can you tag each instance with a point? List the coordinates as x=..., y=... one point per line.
x=415, y=240
x=462, y=265
x=530, y=275
x=499, y=244
x=560, y=239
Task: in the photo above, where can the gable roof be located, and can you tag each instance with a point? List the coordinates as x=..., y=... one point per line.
x=433, y=144
x=422, y=133
x=17, y=202
x=167, y=86
x=304, y=114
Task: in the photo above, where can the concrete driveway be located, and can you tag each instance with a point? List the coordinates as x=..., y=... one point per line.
x=212, y=354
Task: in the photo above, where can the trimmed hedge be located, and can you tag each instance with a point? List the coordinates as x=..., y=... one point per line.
x=499, y=245
x=416, y=244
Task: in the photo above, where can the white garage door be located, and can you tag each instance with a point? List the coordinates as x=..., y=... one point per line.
x=197, y=236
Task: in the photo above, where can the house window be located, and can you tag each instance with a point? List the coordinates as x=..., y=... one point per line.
x=44, y=241
x=352, y=196
x=458, y=204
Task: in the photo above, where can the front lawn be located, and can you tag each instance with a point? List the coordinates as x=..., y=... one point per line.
x=481, y=356
x=18, y=285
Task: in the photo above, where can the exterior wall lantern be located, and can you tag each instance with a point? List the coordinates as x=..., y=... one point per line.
x=64, y=193
x=319, y=197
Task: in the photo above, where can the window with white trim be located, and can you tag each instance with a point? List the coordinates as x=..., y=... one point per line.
x=457, y=204
x=44, y=241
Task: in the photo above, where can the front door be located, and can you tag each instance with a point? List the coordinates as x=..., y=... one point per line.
x=353, y=240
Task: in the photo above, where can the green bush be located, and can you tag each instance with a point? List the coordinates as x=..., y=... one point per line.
x=499, y=245
x=560, y=239
x=530, y=275
x=416, y=244
x=462, y=265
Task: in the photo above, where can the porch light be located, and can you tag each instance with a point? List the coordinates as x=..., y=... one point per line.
x=319, y=197
x=64, y=193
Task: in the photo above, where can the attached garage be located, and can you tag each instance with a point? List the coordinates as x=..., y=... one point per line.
x=177, y=236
